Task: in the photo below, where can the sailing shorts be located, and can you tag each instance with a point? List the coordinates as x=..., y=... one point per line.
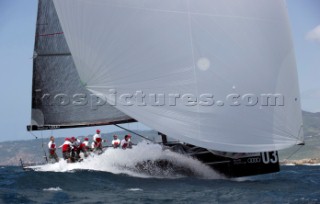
x=54, y=156
x=66, y=155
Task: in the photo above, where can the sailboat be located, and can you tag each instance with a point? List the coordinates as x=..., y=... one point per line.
x=218, y=76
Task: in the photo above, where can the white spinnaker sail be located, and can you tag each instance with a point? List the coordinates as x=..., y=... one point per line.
x=238, y=51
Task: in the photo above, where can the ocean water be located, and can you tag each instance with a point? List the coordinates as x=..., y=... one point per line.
x=113, y=178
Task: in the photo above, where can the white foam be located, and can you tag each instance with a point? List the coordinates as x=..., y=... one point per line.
x=135, y=189
x=305, y=164
x=315, y=164
x=118, y=161
x=289, y=164
x=52, y=189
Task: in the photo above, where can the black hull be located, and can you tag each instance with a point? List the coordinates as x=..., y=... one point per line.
x=232, y=164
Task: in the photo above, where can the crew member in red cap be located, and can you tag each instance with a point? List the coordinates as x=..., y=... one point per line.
x=97, y=141
x=75, y=152
x=126, y=142
x=52, y=150
x=84, y=147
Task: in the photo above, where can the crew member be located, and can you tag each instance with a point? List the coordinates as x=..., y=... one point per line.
x=85, y=144
x=85, y=147
x=126, y=142
x=75, y=152
x=52, y=150
x=97, y=141
x=66, y=149
x=115, y=142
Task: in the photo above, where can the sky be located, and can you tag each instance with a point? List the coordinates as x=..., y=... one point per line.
x=17, y=28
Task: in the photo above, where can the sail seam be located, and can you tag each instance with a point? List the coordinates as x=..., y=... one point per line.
x=53, y=54
x=194, y=65
x=195, y=13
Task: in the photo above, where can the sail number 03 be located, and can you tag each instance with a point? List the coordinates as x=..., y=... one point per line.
x=269, y=157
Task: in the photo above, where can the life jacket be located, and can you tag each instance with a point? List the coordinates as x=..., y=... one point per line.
x=83, y=147
x=85, y=143
x=97, y=143
x=116, y=142
x=66, y=147
x=98, y=140
x=124, y=144
x=52, y=148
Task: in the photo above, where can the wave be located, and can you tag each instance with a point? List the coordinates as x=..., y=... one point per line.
x=135, y=189
x=143, y=160
x=52, y=189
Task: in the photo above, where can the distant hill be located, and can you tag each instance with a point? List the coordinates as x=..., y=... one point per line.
x=311, y=126
x=311, y=149
x=31, y=151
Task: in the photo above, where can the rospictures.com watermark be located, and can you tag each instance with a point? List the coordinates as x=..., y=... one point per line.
x=140, y=98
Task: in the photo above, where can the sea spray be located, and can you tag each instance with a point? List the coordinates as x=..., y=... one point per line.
x=118, y=161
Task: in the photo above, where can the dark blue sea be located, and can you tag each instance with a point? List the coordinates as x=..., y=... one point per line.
x=294, y=184
x=113, y=177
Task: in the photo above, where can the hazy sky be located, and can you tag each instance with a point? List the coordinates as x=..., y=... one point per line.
x=17, y=28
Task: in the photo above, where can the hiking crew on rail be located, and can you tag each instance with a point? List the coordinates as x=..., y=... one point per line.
x=52, y=150
x=72, y=147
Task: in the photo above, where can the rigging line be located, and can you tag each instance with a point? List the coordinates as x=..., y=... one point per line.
x=297, y=136
x=301, y=128
x=45, y=154
x=133, y=132
x=294, y=152
x=33, y=134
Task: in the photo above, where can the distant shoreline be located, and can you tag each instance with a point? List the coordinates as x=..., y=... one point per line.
x=312, y=161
